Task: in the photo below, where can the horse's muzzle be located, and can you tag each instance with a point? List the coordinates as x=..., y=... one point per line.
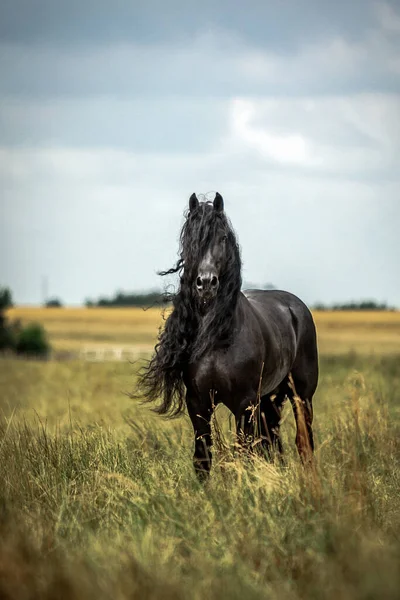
x=207, y=285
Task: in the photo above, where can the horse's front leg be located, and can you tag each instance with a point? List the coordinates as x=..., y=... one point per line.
x=200, y=413
x=247, y=422
x=270, y=418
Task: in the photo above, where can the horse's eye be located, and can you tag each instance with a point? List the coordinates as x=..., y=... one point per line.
x=224, y=238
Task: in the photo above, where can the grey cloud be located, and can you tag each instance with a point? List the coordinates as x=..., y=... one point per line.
x=106, y=225
x=166, y=124
x=212, y=63
x=267, y=24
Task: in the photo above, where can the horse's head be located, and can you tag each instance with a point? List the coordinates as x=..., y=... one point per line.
x=209, y=249
x=204, y=307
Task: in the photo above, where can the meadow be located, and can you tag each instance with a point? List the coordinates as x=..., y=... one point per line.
x=99, y=499
x=75, y=328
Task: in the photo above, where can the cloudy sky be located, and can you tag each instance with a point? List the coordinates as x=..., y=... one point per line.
x=113, y=113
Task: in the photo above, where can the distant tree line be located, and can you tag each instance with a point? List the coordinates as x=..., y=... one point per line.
x=362, y=305
x=53, y=303
x=157, y=298
x=145, y=300
x=28, y=340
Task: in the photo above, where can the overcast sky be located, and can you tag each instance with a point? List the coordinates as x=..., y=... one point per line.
x=113, y=113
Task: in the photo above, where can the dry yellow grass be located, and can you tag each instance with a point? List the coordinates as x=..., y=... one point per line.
x=75, y=328
x=366, y=332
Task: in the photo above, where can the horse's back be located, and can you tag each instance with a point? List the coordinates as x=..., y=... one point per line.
x=290, y=326
x=274, y=297
x=281, y=306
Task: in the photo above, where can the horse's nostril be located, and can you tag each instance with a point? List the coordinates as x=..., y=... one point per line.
x=214, y=281
x=199, y=282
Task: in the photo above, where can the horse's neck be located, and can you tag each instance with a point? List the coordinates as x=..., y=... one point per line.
x=225, y=319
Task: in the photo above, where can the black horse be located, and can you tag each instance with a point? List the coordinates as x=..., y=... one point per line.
x=249, y=350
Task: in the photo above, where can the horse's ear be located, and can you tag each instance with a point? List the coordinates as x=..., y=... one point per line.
x=193, y=202
x=218, y=202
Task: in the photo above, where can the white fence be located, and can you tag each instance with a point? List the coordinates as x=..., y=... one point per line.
x=113, y=353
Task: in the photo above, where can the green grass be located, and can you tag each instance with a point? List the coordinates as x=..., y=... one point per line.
x=99, y=499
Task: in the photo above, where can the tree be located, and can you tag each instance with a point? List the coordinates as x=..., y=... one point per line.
x=6, y=333
x=54, y=303
x=6, y=300
x=28, y=340
x=32, y=340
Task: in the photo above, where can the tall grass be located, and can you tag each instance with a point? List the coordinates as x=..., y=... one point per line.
x=99, y=498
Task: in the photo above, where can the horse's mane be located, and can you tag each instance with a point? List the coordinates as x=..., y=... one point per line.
x=187, y=335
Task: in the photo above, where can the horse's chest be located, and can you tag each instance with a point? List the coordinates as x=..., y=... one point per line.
x=225, y=375
x=213, y=373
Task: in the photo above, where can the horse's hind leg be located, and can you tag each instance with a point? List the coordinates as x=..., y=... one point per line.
x=301, y=396
x=303, y=381
x=258, y=424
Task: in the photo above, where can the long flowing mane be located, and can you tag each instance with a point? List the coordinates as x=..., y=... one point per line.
x=188, y=334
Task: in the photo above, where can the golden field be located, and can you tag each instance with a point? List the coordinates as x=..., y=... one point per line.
x=99, y=499
x=73, y=329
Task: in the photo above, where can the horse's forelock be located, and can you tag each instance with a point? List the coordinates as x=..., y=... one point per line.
x=199, y=232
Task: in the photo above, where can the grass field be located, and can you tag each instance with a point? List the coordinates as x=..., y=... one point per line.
x=99, y=500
